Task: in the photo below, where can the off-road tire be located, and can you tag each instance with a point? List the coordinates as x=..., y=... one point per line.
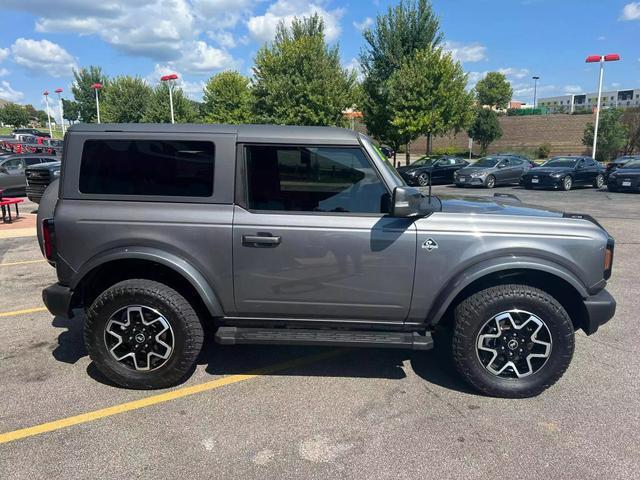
x=186, y=326
x=473, y=312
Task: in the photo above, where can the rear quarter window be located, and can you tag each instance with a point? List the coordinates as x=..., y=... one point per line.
x=170, y=168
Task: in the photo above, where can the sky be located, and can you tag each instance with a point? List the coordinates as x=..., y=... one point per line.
x=42, y=41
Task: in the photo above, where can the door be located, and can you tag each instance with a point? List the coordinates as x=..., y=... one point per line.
x=12, y=174
x=516, y=169
x=501, y=172
x=582, y=173
x=311, y=239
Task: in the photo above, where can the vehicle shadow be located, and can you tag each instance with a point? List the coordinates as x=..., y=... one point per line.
x=434, y=366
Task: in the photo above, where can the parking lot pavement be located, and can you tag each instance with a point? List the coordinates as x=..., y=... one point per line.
x=333, y=414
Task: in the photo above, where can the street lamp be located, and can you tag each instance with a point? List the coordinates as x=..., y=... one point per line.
x=612, y=57
x=171, y=78
x=97, y=86
x=535, y=90
x=59, y=92
x=46, y=101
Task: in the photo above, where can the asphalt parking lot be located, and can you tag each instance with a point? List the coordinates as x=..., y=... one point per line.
x=318, y=413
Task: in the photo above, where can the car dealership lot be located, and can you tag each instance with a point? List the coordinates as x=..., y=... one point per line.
x=318, y=413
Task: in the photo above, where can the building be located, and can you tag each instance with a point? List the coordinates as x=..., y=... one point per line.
x=589, y=101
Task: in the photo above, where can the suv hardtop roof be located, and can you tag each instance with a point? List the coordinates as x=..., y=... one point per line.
x=245, y=133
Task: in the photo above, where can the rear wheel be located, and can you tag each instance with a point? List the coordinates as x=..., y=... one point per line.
x=490, y=182
x=512, y=340
x=567, y=183
x=143, y=334
x=599, y=181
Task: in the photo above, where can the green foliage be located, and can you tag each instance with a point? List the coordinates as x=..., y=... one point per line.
x=485, y=129
x=14, y=115
x=83, y=94
x=298, y=79
x=71, y=110
x=543, y=151
x=126, y=100
x=409, y=26
x=158, y=109
x=428, y=96
x=227, y=99
x=631, y=118
x=612, y=135
x=494, y=90
x=446, y=151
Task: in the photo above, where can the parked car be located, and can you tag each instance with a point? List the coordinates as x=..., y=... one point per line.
x=307, y=236
x=565, y=173
x=492, y=171
x=30, y=131
x=617, y=163
x=439, y=170
x=626, y=177
x=40, y=176
x=12, y=176
x=388, y=151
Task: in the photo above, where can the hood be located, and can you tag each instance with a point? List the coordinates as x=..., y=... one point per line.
x=46, y=166
x=410, y=168
x=494, y=206
x=549, y=170
x=626, y=172
x=472, y=169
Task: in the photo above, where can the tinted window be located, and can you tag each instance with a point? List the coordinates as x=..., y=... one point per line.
x=323, y=179
x=487, y=162
x=32, y=161
x=516, y=161
x=561, y=162
x=147, y=167
x=632, y=164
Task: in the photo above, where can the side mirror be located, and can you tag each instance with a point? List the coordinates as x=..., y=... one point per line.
x=502, y=165
x=406, y=202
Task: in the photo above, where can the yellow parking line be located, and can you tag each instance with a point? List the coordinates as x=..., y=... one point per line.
x=18, y=232
x=161, y=398
x=23, y=312
x=25, y=262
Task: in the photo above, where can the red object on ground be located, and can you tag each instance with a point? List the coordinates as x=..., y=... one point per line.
x=5, y=205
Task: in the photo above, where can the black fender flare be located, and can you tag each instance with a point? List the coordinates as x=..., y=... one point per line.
x=169, y=260
x=461, y=280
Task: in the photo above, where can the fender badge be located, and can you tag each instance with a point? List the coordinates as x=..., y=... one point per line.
x=429, y=244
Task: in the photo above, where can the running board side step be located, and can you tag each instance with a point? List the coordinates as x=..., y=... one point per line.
x=336, y=338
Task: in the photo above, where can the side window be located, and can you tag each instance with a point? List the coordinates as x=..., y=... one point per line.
x=169, y=168
x=313, y=179
x=13, y=164
x=31, y=161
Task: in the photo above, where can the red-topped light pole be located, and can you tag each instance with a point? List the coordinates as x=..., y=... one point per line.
x=612, y=57
x=97, y=86
x=171, y=78
x=46, y=101
x=59, y=92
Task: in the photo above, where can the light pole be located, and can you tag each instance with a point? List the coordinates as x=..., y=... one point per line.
x=96, y=87
x=535, y=90
x=59, y=92
x=171, y=78
x=46, y=101
x=612, y=57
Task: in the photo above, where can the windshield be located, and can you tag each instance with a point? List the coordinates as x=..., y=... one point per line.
x=424, y=162
x=561, y=162
x=369, y=145
x=487, y=162
x=632, y=164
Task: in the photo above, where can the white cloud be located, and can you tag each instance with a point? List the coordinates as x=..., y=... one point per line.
x=193, y=90
x=43, y=55
x=4, y=72
x=514, y=72
x=263, y=27
x=222, y=38
x=354, y=66
x=223, y=14
x=8, y=93
x=4, y=53
x=472, y=52
x=200, y=57
x=364, y=24
x=572, y=89
x=602, y=38
x=631, y=11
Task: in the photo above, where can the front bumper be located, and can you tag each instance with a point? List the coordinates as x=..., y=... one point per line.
x=462, y=180
x=601, y=308
x=546, y=181
x=57, y=299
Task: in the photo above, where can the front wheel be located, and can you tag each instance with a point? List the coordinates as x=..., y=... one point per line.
x=490, y=182
x=599, y=181
x=512, y=341
x=567, y=183
x=143, y=334
x=423, y=179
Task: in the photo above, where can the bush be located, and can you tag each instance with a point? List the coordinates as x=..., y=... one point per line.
x=445, y=151
x=543, y=150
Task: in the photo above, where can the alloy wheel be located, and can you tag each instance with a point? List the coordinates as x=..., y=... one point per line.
x=567, y=183
x=599, y=181
x=423, y=179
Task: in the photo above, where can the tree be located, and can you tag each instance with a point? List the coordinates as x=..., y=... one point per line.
x=298, y=79
x=428, y=96
x=71, y=110
x=126, y=100
x=227, y=99
x=14, y=115
x=631, y=118
x=485, y=128
x=405, y=28
x=83, y=94
x=494, y=90
x=612, y=134
x=158, y=109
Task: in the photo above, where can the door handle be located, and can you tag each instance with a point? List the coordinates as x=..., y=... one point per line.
x=261, y=240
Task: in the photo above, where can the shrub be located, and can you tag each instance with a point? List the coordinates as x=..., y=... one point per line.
x=543, y=150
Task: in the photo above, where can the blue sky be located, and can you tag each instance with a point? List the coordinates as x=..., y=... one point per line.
x=42, y=40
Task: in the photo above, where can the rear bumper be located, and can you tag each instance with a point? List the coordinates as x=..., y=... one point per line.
x=57, y=299
x=601, y=308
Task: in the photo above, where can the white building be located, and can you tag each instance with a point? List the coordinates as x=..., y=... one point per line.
x=589, y=101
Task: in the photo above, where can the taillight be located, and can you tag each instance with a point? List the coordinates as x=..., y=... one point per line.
x=608, y=258
x=49, y=239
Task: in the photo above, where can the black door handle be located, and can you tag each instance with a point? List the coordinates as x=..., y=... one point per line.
x=261, y=240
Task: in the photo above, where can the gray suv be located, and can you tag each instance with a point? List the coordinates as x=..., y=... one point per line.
x=492, y=171
x=306, y=236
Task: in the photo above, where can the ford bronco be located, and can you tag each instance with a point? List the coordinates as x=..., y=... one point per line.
x=306, y=236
